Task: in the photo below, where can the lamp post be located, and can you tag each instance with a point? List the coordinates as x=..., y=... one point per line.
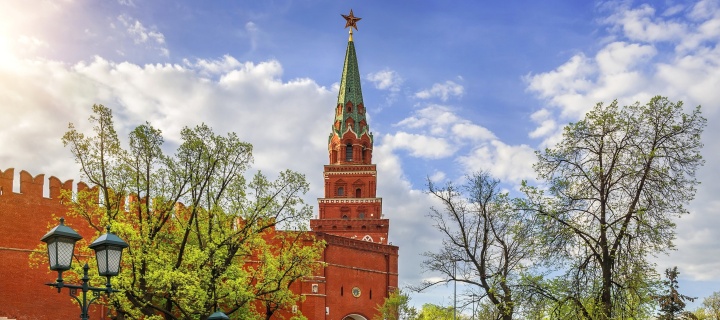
x=108, y=252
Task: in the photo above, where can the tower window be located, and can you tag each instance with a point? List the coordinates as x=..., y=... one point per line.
x=358, y=193
x=341, y=191
x=348, y=152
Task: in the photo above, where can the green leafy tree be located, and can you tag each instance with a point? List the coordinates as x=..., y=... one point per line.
x=701, y=313
x=711, y=305
x=672, y=303
x=201, y=237
x=396, y=307
x=487, y=241
x=431, y=311
x=615, y=183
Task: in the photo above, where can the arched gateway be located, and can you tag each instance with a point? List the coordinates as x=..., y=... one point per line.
x=354, y=317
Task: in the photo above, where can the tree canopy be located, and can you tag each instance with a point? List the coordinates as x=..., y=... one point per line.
x=202, y=237
x=607, y=198
x=488, y=241
x=615, y=183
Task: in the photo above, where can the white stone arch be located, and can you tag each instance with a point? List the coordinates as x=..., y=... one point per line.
x=368, y=238
x=354, y=316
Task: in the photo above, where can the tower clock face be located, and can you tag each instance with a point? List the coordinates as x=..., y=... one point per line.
x=356, y=292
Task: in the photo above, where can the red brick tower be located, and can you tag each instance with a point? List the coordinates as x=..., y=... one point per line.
x=351, y=207
x=361, y=267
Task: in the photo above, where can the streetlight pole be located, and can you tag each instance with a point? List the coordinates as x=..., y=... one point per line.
x=455, y=290
x=108, y=252
x=84, y=288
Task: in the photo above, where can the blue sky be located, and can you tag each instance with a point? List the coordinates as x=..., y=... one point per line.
x=450, y=87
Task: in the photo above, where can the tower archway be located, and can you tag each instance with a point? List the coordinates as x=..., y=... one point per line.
x=354, y=316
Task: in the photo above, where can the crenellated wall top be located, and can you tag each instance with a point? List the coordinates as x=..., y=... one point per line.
x=33, y=186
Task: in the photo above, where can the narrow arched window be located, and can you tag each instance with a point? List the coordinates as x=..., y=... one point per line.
x=341, y=191
x=348, y=152
x=358, y=193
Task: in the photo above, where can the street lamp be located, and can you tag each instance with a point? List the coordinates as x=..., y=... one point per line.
x=108, y=252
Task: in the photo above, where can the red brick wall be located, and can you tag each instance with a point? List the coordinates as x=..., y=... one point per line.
x=370, y=267
x=24, y=218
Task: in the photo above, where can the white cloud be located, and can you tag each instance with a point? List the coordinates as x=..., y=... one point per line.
x=129, y=3
x=442, y=91
x=438, y=176
x=31, y=42
x=547, y=125
x=566, y=86
x=440, y=120
x=471, y=131
x=510, y=164
x=705, y=9
x=170, y=96
x=444, y=134
x=142, y=35
x=420, y=146
x=214, y=67
x=252, y=31
x=640, y=24
x=619, y=57
x=386, y=80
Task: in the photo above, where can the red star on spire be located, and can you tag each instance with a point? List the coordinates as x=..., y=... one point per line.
x=351, y=20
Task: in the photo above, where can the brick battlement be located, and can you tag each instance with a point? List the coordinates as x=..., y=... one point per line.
x=333, y=240
x=32, y=187
x=351, y=224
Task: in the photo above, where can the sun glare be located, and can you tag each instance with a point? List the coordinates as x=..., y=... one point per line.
x=7, y=57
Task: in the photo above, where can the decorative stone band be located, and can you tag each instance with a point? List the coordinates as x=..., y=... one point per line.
x=372, y=173
x=349, y=200
x=350, y=168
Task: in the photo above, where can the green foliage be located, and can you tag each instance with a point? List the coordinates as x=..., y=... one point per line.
x=615, y=183
x=434, y=312
x=396, y=307
x=711, y=305
x=201, y=236
x=672, y=303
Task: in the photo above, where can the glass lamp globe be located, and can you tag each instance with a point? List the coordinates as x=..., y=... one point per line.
x=108, y=251
x=60, y=245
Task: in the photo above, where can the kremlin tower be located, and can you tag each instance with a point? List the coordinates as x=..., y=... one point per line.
x=350, y=207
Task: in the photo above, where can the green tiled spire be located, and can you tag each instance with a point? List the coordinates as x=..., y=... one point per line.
x=350, y=91
x=350, y=82
x=351, y=111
